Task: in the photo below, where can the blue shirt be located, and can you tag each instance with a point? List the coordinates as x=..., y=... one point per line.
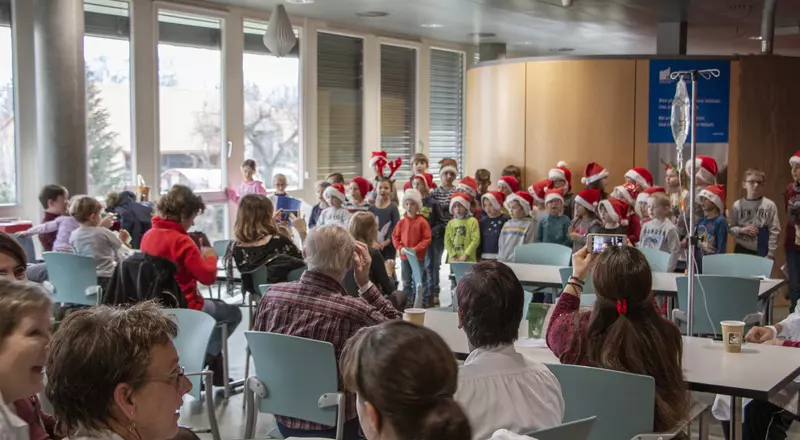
x=713, y=235
x=490, y=236
x=554, y=229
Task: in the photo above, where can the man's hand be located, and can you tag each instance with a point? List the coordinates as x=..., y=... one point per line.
x=361, y=264
x=581, y=261
x=759, y=335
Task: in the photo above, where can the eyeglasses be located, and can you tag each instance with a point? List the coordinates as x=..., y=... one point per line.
x=174, y=379
x=754, y=182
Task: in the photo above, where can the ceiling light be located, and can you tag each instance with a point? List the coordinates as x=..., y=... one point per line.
x=562, y=49
x=523, y=43
x=372, y=14
x=482, y=34
x=431, y=25
x=300, y=2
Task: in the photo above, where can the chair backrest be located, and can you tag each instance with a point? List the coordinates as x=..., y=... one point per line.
x=622, y=402
x=548, y=254
x=252, y=281
x=460, y=268
x=27, y=246
x=296, y=372
x=658, y=260
x=295, y=274
x=718, y=298
x=737, y=265
x=220, y=246
x=575, y=430
x=194, y=331
x=71, y=275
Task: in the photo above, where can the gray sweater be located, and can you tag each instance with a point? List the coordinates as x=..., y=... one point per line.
x=661, y=235
x=101, y=244
x=514, y=233
x=761, y=213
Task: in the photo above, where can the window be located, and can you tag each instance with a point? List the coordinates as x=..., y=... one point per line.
x=446, y=108
x=106, y=52
x=190, y=101
x=8, y=147
x=271, y=108
x=212, y=222
x=340, y=105
x=399, y=104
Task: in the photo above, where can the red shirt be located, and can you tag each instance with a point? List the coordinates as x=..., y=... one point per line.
x=317, y=307
x=167, y=239
x=791, y=200
x=47, y=239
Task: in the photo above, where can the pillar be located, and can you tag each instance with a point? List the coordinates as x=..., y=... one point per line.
x=60, y=93
x=491, y=51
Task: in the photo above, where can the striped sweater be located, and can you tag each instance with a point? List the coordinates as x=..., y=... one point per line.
x=516, y=232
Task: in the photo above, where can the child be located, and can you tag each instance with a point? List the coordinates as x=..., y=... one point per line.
x=754, y=219
x=613, y=214
x=538, y=190
x=412, y=231
x=433, y=213
x=554, y=228
x=520, y=229
x=660, y=233
x=640, y=177
x=705, y=169
x=492, y=224
x=712, y=229
x=94, y=239
x=484, y=179
x=280, y=184
x=561, y=178
x=448, y=170
x=378, y=162
x=792, y=233
x=419, y=166
x=462, y=235
x=334, y=213
x=335, y=178
x=322, y=185
x=629, y=194
x=62, y=226
x=249, y=186
x=642, y=204
x=585, y=221
x=513, y=171
x=54, y=201
x=596, y=177
x=469, y=186
x=358, y=189
x=387, y=214
x=508, y=185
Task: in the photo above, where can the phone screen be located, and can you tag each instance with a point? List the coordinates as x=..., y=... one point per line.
x=285, y=214
x=601, y=242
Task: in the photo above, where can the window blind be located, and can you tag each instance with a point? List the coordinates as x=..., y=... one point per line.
x=339, y=104
x=446, y=108
x=399, y=105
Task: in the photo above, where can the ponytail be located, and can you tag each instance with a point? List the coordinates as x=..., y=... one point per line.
x=445, y=421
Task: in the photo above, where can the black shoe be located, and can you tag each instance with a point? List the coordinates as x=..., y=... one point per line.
x=214, y=363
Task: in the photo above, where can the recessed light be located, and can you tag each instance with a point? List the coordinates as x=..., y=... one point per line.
x=372, y=14
x=300, y=2
x=562, y=49
x=431, y=25
x=482, y=34
x=523, y=43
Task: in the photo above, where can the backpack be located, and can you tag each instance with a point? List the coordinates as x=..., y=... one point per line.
x=143, y=277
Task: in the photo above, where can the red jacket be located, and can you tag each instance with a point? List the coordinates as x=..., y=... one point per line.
x=412, y=233
x=167, y=239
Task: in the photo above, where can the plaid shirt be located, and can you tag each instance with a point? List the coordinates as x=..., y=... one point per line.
x=317, y=307
x=442, y=196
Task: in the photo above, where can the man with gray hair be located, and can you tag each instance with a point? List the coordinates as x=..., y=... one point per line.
x=317, y=307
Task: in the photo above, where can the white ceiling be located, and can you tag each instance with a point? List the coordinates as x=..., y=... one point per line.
x=542, y=27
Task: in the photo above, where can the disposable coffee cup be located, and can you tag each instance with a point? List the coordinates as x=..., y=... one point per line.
x=417, y=316
x=732, y=335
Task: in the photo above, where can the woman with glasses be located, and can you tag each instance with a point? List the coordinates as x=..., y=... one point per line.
x=114, y=374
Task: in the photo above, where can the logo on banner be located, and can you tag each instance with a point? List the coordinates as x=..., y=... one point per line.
x=663, y=76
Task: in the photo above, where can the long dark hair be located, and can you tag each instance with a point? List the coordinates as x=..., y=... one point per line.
x=626, y=332
x=409, y=375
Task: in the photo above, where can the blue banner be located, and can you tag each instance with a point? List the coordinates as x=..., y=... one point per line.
x=713, y=100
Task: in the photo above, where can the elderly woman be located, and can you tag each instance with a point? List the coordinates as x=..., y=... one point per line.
x=114, y=374
x=526, y=396
x=168, y=239
x=624, y=332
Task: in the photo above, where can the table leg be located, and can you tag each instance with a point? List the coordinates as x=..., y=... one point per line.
x=736, y=418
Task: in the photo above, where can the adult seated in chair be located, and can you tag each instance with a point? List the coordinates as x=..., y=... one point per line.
x=168, y=239
x=624, y=331
x=525, y=395
x=134, y=217
x=317, y=307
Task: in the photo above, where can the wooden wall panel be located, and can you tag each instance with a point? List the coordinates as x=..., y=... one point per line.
x=580, y=111
x=495, y=118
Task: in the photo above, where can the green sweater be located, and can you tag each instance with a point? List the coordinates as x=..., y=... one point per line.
x=554, y=229
x=462, y=237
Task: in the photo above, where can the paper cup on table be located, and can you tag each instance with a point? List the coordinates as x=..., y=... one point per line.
x=417, y=316
x=732, y=335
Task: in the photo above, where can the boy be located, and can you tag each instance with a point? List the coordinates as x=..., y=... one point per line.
x=492, y=224
x=705, y=169
x=712, y=229
x=335, y=178
x=484, y=179
x=462, y=235
x=433, y=213
x=520, y=228
x=359, y=188
x=554, y=228
x=412, y=231
x=643, y=207
x=54, y=201
x=322, y=185
x=614, y=216
x=419, y=166
x=513, y=171
x=753, y=220
x=561, y=176
x=792, y=233
x=659, y=232
x=279, y=183
x=335, y=213
x=448, y=170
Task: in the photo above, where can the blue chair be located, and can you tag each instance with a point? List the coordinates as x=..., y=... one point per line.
x=460, y=268
x=737, y=265
x=194, y=331
x=294, y=377
x=588, y=296
x=28, y=246
x=220, y=247
x=547, y=254
x=726, y=298
x=416, y=275
x=576, y=430
x=658, y=260
x=74, y=278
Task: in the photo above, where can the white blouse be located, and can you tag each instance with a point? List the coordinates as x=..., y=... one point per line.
x=501, y=389
x=11, y=426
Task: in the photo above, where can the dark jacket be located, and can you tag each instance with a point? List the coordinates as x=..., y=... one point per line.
x=433, y=212
x=142, y=277
x=134, y=217
x=377, y=274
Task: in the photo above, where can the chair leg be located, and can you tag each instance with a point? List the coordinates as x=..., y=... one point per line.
x=246, y=371
x=219, y=291
x=250, y=410
x=225, y=377
x=209, y=397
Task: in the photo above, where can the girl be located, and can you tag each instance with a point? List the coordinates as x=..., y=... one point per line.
x=364, y=228
x=334, y=213
x=585, y=221
x=322, y=185
x=249, y=186
x=358, y=190
x=676, y=186
x=595, y=176
x=387, y=214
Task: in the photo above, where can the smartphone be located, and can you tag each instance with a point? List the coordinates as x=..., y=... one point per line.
x=286, y=213
x=600, y=242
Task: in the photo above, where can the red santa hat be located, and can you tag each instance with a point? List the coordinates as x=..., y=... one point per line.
x=644, y=195
x=510, y=182
x=706, y=168
x=561, y=172
x=617, y=209
x=426, y=178
x=554, y=194
x=461, y=199
x=538, y=189
x=468, y=185
x=641, y=176
x=335, y=190
x=589, y=199
x=795, y=160
x=715, y=193
x=496, y=198
x=364, y=187
x=412, y=195
x=627, y=192
x=523, y=198
x=380, y=159
x=593, y=172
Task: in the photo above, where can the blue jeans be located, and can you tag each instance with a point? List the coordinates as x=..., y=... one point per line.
x=793, y=267
x=352, y=431
x=408, y=282
x=433, y=264
x=221, y=312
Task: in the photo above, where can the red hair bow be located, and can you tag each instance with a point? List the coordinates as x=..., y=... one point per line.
x=622, y=306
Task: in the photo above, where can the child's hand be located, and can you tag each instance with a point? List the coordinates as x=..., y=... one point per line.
x=684, y=244
x=277, y=215
x=22, y=234
x=124, y=236
x=299, y=223
x=108, y=221
x=376, y=245
x=752, y=231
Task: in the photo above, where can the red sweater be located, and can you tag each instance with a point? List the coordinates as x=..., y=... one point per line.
x=634, y=228
x=791, y=200
x=412, y=233
x=167, y=239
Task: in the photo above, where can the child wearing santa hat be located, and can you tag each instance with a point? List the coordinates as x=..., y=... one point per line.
x=433, y=213
x=335, y=213
x=705, y=172
x=659, y=233
x=357, y=190
x=538, y=190
x=412, y=232
x=613, y=214
x=629, y=192
x=585, y=221
x=712, y=229
x=387, y=216
x=520, y=228
x=561, y=178
x=595, y=176
x=469, y=185
x=492, y=224
x=642, y=208
x=640, y=177
x=448, y=171
x=554, y=228
x=508, y=185
x=462, y=235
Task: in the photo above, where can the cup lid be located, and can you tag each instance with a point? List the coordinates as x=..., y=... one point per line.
x=733, y=323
